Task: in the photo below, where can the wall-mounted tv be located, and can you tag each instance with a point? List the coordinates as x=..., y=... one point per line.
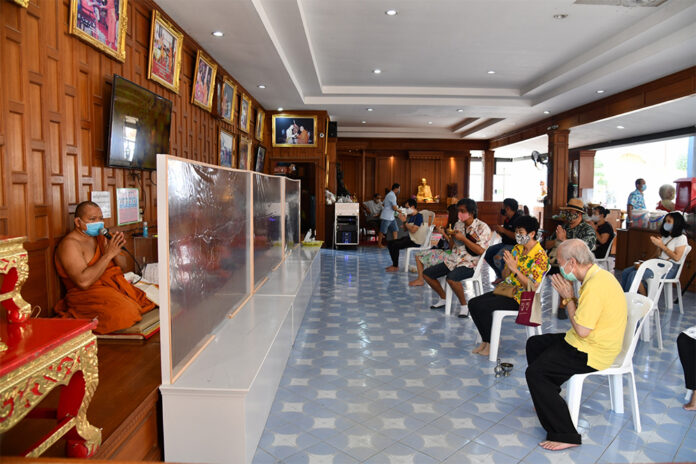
x=138, y=128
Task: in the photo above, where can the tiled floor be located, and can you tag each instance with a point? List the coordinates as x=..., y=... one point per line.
x=375, y=376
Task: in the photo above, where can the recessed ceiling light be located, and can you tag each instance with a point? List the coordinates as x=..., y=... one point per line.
x=600, y=91
x=491, y=72
x=460, y=110
x=218, y=33
x=280, y=108
x=376, y=71
x=430, y=122
x=547, y=112
x=369, y=109
x=620, y=127
x=261, y=86
x=391, y=12
x=364, y=122
x=560, y=16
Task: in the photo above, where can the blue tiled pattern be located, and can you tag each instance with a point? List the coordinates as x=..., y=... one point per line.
x=377, y=377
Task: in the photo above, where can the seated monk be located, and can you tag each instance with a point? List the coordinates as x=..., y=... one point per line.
x=90, y=267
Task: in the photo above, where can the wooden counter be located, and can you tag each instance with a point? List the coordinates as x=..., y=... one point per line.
x=634, y=244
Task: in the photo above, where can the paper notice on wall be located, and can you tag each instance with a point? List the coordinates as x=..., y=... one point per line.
x=127, y=205
x=103, y=199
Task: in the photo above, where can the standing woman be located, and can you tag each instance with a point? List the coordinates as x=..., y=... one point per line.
x=686, y=345
x=526, y=264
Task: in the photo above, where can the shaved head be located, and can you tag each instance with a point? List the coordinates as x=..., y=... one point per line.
x=82, y=209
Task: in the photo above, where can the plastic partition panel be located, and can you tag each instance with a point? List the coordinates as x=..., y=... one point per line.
x=268, y=233
x=292, y=213
x=209, y=269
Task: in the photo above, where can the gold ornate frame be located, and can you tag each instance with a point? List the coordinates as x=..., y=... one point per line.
x=233, y=159
x=260, y=119
x=119, y=54
x=202, y=56
x=22, y=3
x=249, y=152
x=158, y=20
x=245, y=127
x=228, y=82
x=275, y=117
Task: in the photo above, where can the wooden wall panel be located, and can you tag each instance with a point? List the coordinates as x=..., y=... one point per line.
x=55, y=98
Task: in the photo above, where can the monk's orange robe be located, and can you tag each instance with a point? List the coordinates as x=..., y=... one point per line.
x=112, y=299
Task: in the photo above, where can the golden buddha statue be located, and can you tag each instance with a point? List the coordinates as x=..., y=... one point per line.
x=424, y=194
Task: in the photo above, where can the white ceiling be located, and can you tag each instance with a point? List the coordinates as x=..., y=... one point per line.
x=435, y=56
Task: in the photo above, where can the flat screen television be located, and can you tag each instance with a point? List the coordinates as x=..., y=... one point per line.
x=138, y=128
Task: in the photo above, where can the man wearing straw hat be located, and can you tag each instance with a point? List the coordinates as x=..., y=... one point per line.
x=573, y=227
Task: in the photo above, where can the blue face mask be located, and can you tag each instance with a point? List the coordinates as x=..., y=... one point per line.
x=93, y=228
x=643, y=187
x=668, y=226
x=568, y=275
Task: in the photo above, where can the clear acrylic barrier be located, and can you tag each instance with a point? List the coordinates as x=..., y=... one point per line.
x=292, y=214
x=208, y=220
x=268, y=224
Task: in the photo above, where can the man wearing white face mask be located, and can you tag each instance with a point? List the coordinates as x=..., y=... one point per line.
x=598, y=320
x=90, y=267
x=416, y=234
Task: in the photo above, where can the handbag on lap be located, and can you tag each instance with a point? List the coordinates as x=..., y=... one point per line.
x=505, y=289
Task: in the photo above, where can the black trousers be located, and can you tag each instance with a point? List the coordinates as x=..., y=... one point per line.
x=687, y=355
x=481, y=310
x=551, y=362
x=399, y=244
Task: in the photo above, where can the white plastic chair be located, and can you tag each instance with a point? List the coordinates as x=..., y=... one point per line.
x=659, y=268
x=476, y=280
x=675, y=281
x=425, y=246
x=497, y=323
x=638, y=308
x=604, y=262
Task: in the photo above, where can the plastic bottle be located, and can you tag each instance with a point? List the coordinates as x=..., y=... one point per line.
x=144, y=229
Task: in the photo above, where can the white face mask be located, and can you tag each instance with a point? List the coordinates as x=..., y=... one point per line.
x=522, y=239
x=595, y=218
x=410, y=211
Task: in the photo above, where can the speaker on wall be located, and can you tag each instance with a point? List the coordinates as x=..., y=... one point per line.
x=333, y=129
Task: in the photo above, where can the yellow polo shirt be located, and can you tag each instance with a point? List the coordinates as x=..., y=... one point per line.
x=601, y=308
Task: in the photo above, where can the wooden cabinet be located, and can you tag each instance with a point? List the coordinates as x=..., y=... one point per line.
x=634, y=244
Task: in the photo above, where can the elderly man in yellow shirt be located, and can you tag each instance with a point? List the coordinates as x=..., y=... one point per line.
x=598, y=320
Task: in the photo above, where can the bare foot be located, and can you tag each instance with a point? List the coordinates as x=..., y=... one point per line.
x=556, y=445
x=486, y=350
x=479, y=348
x=690, y=406
x=381, y=246
x=416, y=283
x=392, y=269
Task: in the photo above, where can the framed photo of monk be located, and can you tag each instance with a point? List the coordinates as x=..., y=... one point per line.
x=102, y=24
x=245, y=152
x=22, y=3
x=260, y=117
x=291, y=130
x=227, y=95
x=227, y=155
x=244, y=110
x=164, y=63
x=204, y=81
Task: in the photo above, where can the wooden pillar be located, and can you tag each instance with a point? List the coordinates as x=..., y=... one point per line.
x=586, y=170
x=557, y=175
x=488, y=172
x=363, y=196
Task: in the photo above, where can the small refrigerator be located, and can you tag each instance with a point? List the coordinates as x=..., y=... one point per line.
x=346, y=224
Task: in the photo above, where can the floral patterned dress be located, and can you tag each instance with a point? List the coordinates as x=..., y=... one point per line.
x=533, y=265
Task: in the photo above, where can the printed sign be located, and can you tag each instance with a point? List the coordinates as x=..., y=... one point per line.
x=103, y=199
x=127, y=205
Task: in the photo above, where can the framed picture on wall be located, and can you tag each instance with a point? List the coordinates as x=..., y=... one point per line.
x=244, y=110
x=260, y=116
x=22, y=3
x=227, y=156
x=291, y=130
x=203, y=84
x=227, y=95
x=245, y=152
x=164, y=63
x=102, y=25
x=260, y=158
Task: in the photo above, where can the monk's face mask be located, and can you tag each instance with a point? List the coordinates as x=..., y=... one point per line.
x=92, y=228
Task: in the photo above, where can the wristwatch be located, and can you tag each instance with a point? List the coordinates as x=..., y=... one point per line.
x=565, y=301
